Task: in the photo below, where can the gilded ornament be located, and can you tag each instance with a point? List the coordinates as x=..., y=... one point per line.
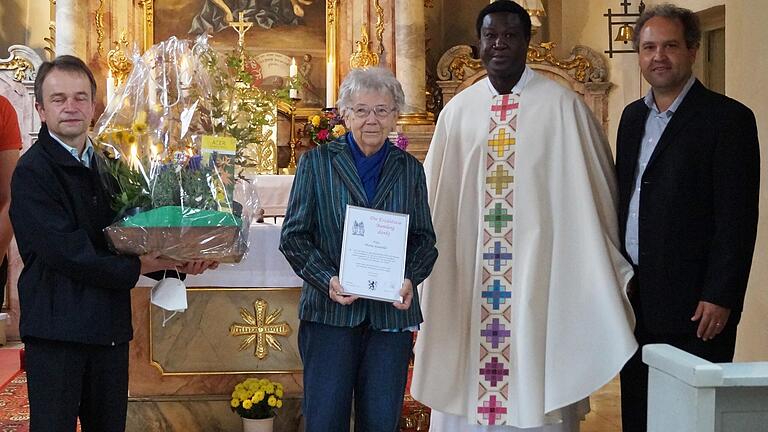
x=261, y=329
x=23, y=68
x=51, y=39
x=543, y=54
x=379, y=26
x=149, y=22
x=363, y=57
x=119, y=64
x=100, y=28
x=330, y=8
x=458, y=65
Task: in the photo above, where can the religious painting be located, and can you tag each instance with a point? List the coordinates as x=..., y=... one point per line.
x=280, y=31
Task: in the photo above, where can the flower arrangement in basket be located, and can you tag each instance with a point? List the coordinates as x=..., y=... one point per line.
x=257, y=398
x=170, y=167
x=325, y=127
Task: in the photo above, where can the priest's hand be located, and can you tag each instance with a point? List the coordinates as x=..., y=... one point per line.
x=712, y=319
x=406, y=292
x=197, y=267
x=335, y=290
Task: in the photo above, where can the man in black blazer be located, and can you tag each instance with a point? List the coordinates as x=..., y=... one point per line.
x=688, y=167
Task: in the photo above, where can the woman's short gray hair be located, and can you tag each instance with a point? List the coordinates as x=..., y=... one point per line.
x=377, y=79
x=691, y=26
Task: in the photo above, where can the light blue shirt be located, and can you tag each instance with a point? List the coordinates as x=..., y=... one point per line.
x=84, y=158
x=655, y=125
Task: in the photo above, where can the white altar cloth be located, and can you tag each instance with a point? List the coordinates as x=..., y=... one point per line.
x=273, y=193
x=263, y=266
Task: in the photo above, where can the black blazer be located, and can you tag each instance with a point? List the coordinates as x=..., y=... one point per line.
x=698, y=207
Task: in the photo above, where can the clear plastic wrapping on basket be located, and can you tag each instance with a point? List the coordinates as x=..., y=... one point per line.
x=172, y=175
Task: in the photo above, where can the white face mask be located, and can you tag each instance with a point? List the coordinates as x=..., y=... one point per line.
x=170, y=294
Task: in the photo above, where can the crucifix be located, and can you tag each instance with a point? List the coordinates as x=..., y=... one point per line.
x=241, y=27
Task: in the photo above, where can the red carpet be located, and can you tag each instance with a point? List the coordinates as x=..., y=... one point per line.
x=14, y=407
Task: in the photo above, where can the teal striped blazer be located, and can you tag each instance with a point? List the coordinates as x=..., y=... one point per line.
x=326, y=181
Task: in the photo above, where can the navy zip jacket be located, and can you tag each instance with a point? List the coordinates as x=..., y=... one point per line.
x=72, y=288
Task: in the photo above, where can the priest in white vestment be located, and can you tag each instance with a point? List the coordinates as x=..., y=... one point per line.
x=526, y=311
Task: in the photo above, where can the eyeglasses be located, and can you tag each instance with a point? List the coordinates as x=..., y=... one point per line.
x=380, y=111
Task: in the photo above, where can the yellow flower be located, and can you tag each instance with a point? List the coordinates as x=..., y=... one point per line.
x=258, y=396
x=315, y=120
x=119, y=137
x=279, y=404
x=247, y=404
x=140, y=122
x=234, y=403
x=339, y=130
x=279, y=392
x=271, y=401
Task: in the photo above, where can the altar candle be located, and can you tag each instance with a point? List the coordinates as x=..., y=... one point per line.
x=293, y=70
x=293, y=93
x=110, y=87
x=329, y=90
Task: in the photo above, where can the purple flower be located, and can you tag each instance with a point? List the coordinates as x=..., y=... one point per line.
x=402, y=141
x=195, y=163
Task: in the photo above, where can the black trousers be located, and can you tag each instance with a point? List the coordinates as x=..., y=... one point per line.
x=68, y=380
x=634, y=375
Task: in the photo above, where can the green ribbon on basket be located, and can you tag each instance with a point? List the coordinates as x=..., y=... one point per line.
x=175, y=216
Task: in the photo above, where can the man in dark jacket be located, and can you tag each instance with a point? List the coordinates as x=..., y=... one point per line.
x=688, y=164
x=74, y=293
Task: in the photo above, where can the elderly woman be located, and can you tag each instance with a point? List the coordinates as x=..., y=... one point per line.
x=355, y=346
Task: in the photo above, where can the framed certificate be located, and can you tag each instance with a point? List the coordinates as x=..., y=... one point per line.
x=373, y=253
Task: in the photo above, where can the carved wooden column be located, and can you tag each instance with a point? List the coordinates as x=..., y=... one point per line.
x=71, y=31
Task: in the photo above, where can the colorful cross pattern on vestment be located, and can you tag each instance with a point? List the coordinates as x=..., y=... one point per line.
x=503, y=107
x=491, y=411
x=501, y=142
x=496, y=294
x=499, y=179
x=497, y=256
x=494, y=370
x=497, y=218
x=495, y=333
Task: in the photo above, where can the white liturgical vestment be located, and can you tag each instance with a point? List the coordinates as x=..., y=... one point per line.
x=511, y=346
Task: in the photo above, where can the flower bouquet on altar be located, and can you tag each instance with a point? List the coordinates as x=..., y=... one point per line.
x=257, y=401
x=325, y=127
x=170, y=170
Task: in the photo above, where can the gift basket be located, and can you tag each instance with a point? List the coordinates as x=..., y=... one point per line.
x=170, y=166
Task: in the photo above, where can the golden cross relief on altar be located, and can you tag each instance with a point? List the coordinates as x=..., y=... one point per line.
x=261, y=329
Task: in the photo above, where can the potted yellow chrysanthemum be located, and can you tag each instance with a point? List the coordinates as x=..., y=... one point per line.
x=257, y=401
